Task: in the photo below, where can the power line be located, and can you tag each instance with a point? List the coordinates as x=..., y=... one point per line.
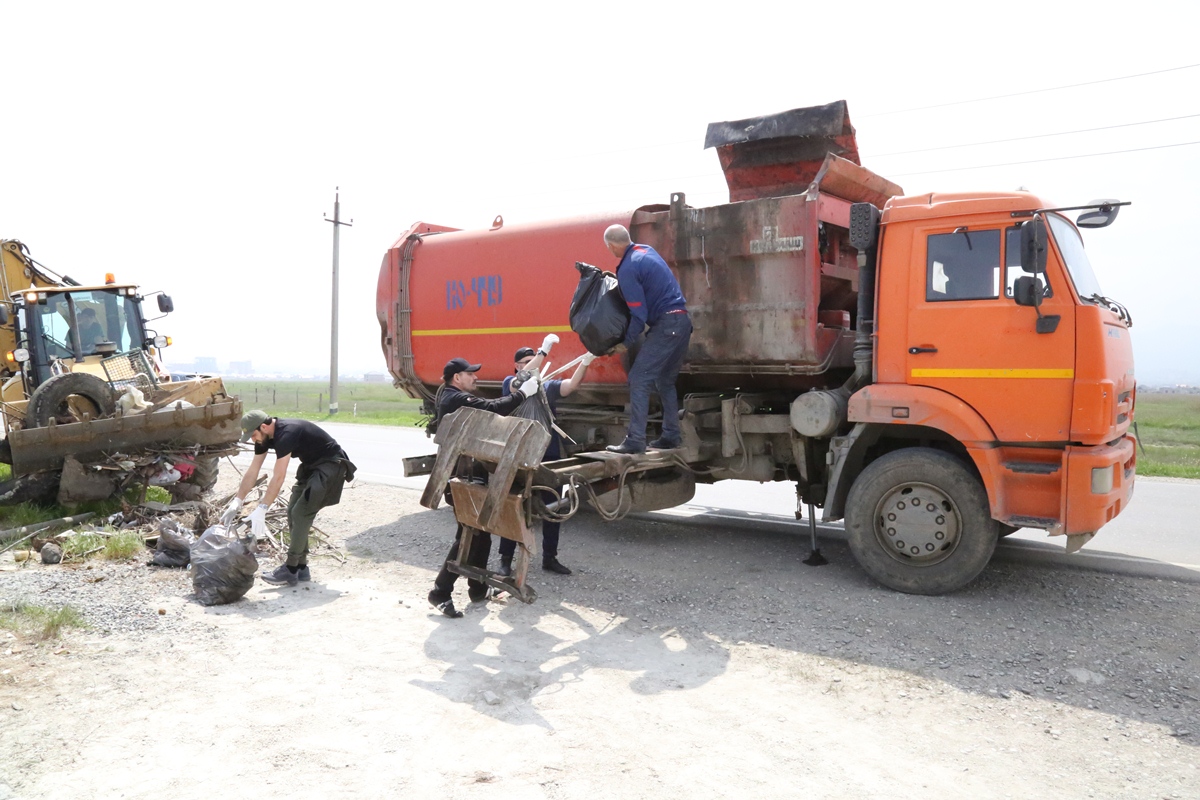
x=1038, y=136
x=1044, y=160
x=1029, y=91
x=580, y=156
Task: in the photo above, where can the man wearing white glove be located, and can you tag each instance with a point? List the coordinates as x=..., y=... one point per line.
x=457, y=391
x=528, y=360
x=324, y=467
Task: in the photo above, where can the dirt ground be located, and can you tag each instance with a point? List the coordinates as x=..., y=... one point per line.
x=678, y=660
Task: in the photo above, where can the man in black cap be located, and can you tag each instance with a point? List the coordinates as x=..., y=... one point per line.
x=458, y=379
x=527, y=358
x=324, y=467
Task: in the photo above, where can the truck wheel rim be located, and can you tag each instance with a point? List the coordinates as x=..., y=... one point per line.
x=917, y=524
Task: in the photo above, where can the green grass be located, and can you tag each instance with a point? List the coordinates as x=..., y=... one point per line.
x=1169, y=429
x=22, y=617
x=366, y=403
x=123, y=545
x=81, y=544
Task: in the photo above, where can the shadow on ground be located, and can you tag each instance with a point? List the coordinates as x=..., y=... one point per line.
x=1124, y=646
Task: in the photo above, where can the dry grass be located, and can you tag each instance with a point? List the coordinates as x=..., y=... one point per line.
x=46, y=623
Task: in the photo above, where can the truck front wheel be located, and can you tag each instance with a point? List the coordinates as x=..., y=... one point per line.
x=918, y=521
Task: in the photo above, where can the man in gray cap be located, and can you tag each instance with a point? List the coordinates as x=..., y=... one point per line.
x=324, y=467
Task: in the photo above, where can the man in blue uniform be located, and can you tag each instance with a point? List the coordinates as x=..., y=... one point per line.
x=656, y=305
x=529, y=359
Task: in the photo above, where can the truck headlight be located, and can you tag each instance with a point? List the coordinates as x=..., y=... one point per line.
x=1102, y=480
x=162, y=341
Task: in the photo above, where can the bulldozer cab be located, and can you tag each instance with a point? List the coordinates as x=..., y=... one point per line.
x=78, y=329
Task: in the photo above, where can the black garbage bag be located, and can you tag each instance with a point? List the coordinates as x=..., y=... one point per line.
x=174, y=545
x=598, y=311
x=223, y=567
x=536, y=408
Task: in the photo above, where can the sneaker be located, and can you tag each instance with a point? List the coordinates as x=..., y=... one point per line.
x=663, y=443
x=445, y=606
x=281, y=576
x=303, y=574
x=626, y=448
x=505, y=568
x=554, y=565
x=477, y=595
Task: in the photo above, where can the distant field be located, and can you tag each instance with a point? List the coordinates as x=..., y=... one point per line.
x=368, y=403
x=1169, y=424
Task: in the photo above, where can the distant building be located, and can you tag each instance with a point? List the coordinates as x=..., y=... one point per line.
x=375, y=377
x=240, y=368
x=205, y=364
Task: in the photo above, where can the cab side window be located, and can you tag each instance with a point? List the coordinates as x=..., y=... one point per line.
x=964, y=265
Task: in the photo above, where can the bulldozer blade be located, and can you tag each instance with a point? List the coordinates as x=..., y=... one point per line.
x=35, y=449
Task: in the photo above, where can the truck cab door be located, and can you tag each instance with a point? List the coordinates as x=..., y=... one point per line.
x=967, y=336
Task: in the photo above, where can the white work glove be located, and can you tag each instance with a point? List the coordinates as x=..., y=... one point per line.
x=231, y=511
x=549, y=342
x=588, y=358
x=258, y=521
x=529, y=388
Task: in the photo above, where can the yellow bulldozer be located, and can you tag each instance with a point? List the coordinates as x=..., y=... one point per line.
x=88, y=408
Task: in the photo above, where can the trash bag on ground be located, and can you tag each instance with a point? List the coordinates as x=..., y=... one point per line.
x=223, y=567
x=598, y=311
x=174, y=545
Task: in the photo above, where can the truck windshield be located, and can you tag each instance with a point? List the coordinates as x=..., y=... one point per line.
x=1071, y=246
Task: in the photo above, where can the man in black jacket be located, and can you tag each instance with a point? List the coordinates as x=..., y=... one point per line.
x=458, y=380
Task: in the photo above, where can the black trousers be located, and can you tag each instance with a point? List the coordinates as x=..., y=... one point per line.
x=477, y=556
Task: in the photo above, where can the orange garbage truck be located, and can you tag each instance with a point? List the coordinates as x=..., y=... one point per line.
x=937, y=370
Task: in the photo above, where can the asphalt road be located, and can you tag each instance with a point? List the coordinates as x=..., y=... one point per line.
x=1156, y=535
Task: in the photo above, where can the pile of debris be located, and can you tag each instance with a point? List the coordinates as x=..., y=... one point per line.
x=167, y=529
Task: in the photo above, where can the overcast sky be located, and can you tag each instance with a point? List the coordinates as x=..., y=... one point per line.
x=194, y=148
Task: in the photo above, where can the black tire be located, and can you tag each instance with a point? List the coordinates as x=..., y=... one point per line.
x=67, y=397
x=937, y=545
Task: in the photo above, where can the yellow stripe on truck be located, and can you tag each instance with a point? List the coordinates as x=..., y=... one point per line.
x=993, y=373
x=492, y=331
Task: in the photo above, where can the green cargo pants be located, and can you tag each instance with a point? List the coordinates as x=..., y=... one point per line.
x=317, y=486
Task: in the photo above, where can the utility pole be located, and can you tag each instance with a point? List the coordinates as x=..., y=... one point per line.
x=333, y=347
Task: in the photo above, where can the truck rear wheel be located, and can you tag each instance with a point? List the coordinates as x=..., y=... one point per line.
x=68, y=398
x=918, y=522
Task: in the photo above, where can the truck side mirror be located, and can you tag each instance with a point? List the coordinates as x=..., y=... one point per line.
x=1033, y=245
x=1102, y=216
x=165, y=304
x=3, y=314
x=1027, y=291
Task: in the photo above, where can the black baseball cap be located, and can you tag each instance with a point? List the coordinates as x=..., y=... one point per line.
x=457, y=365
x=524, y=352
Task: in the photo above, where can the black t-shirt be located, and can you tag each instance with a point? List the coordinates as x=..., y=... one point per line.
x=302, y=439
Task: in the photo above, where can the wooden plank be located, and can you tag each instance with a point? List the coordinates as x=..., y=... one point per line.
x=508, y=524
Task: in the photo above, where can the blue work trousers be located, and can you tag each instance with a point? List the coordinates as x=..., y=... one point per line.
x=656, y=368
